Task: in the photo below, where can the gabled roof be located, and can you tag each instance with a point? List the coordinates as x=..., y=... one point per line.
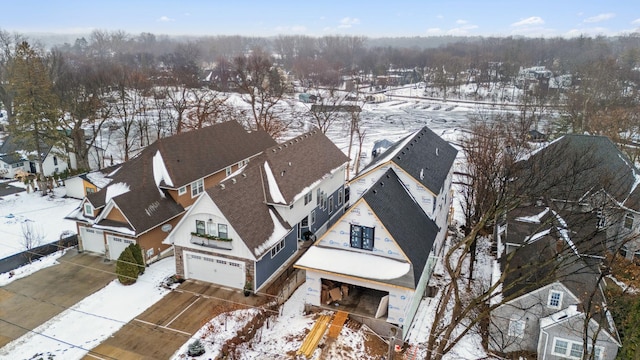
x=15, y=148
x=247, y=198
x=575, y=166
x=241, y=201
x=424, y=155
x=297, y=164
x=410, y=227
x=186, y=157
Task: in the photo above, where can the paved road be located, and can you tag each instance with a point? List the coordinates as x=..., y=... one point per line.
x=6, y=189
x=31, y=301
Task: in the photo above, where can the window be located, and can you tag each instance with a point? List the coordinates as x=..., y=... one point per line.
x=555, y=299
x=276, y=249
x=628, y=221
x=574, y=349
x=197, y=187
x=318, y=196
x=308, y=197
x=330, y=204
x=89, y=190
x=601, y=220
x=222, y=231
x=361, y=237
x=313, y=217
x=340, y=197
x=516, y=328
x=55, y=160
x=88, y=209
x=227, y=171
x=182, y=190
x=212, y=228
x=200, y=229
x=561, y=347
x=305, y=222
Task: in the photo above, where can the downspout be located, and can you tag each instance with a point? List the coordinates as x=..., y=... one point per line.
x=546, y=343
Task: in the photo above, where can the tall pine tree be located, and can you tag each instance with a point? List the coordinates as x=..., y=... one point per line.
x=36, y=113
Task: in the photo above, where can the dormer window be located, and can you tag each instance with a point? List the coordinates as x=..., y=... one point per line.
x=555, y=299
x=88, y=209
x=628, y=221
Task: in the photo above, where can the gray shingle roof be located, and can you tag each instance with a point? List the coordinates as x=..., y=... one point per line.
x=424, y=155
x=411, y=228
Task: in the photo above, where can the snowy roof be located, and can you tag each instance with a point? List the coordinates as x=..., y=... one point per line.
x=367, y=266
x=562, y=315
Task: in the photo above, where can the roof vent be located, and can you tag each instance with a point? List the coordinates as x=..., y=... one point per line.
x=289, y=163
x=437, y=151
x=282, y=173
x=233, y=181
x=244, y=175
x=222, y=186
x=274, y=150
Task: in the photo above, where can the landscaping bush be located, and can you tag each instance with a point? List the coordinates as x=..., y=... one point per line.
x=127, y=268
x=137, y=254
x=196, y=348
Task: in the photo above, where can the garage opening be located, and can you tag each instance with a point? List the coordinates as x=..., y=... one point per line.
x=354, y=299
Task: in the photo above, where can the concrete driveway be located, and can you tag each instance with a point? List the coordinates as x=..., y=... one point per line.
x=29, y=302
x=162, y=329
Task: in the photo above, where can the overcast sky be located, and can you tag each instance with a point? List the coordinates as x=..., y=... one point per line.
x=371, y=18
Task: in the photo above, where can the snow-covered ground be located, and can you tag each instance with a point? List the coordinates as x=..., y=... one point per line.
x=75, y=331
x=44, y=214
x=98, y=316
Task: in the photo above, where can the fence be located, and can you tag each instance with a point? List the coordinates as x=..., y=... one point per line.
x=17, y=260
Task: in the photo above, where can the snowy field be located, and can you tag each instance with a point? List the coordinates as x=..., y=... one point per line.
x=44, y=214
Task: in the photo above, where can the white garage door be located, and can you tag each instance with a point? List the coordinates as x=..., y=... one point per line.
x=117, y=246
x=92, y=240
x=213, y=269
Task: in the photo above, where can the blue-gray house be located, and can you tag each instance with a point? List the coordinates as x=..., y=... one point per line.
x=253, y=225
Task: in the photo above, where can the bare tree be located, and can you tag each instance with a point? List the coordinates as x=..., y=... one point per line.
x=31, y=238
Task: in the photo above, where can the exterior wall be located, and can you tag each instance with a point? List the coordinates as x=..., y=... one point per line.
x=267, y=266
x=530, y=308
x=400, y=299
x=572, y=329
x=76, y=187
x=204, y=210
x=9, y=170
x=49, y=167
x=340, y=234
x=116, y=215
x=152, y=242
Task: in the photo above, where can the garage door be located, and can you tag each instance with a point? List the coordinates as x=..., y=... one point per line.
x=214, y=269
x=92, y=240
x=117, y=246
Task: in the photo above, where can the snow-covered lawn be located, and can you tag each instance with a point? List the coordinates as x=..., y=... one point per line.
x=45, y=214
x=74, y=332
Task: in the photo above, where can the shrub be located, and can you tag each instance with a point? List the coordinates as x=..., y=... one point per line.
x=127, y=268
x=137, y=254
x=196, y=348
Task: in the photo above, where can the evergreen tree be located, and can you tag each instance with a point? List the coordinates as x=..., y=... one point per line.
x=127, y=268
x=36, y=113
x=137, y=254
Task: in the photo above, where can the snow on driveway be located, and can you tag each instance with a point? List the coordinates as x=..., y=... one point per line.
x=75, y=331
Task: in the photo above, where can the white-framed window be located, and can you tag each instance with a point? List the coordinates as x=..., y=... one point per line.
x=182, y=190
x=308, y=197
x=555, y=299
x=574, y=349
x=340, y=197
x=222, y=231
x=312, y=219
x=212, y=228
x=516, y=328
x=330, y=204
x=276, y=249
x=200, y=227
x=197, y=187
x=88, y=209
x=318, y=196
x=628, y=221
x=227, y=171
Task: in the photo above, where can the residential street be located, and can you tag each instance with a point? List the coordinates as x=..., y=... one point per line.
x=31, y=301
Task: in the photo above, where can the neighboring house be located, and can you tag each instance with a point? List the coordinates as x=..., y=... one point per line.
x=424, y=163
x=250, y=228
x=551, y=289
x=589, y=174
x=13, y=157
x=148, y=194
x=376, y=260
x=79, y=186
